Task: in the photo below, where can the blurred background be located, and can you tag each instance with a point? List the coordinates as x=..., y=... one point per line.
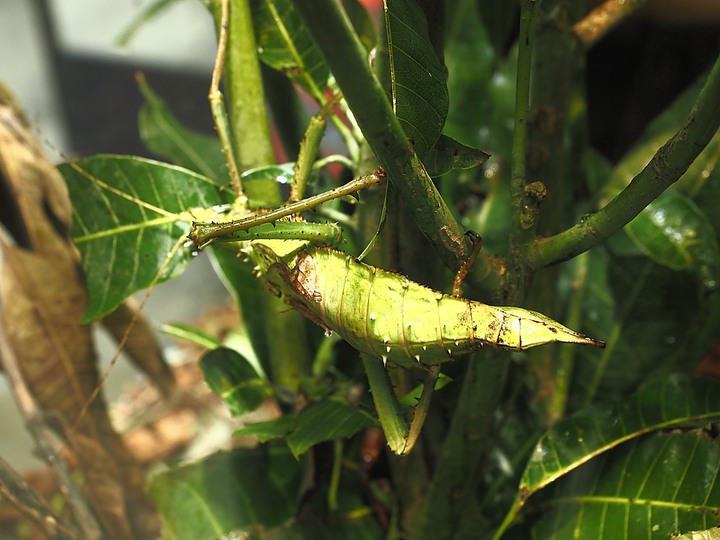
x=77, y=88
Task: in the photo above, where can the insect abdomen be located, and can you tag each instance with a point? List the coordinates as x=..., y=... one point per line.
x=390, y=317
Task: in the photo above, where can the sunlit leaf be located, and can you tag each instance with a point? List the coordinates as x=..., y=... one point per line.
x=127, y=219
x=285, y=44
x=649, y=488
x=234, y=379
x=678, y=401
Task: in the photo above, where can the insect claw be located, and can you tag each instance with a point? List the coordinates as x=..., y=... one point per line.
x=384, y=360
x=417, y=357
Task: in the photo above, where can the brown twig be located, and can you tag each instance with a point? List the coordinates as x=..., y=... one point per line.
x=604, y=18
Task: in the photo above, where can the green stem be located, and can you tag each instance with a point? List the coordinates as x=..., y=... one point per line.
x=465, y=447
x=665, y=168
x=346, y=57
x=289, y=357
x=246, y=101
x=520, y=230
x=392, y=417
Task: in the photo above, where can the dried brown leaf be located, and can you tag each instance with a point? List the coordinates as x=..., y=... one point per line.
x=43, y=296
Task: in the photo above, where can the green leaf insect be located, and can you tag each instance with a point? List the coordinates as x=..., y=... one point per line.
x=392, y=318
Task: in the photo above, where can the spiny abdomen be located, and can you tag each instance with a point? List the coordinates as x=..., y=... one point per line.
x=390, y=317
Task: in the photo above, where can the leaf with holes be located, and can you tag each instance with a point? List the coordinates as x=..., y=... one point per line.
x=127, y=219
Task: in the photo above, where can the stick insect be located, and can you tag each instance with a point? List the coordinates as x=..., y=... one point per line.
x=383, y=315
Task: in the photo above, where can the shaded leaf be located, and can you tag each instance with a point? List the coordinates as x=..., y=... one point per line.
x=648, y=488
x=325, y=421
x=317, y=422
x=239, y=490
x=234, y=379
x=166, y=137
x=128, y=217
x=449, y=154
x=268, y=430
x=649, y=315
x=678, y=401
x=674, y=232
x=420, y=95
x=285, y=44
x=470, y=60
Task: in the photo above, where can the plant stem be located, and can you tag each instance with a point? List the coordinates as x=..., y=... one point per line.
x=246, y=99
x=521, y=229
x=289, y=357
x=665, y=168
x=465, y=446
x=345, y=55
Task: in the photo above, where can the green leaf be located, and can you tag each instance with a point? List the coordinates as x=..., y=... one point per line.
x=648, y=488
x=325, y=421
x=268, y=430
x=674, y=232
x=247, y=293
x=649, y=316
x=678, y=401
x=243, y=489
x=166, y=137
x=470, y=61
x=418, y=78
x=284, y=44
x=127, y=218
x=234, y=379
x=449, y=154
x=317, y=422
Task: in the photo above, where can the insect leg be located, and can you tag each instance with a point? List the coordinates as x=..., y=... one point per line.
x=465, y=268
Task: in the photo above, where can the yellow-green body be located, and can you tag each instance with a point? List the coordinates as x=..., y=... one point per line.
x=386, y=315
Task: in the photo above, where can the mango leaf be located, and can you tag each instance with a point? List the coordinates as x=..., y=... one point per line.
x=649, y=488
x=449, y=154
x=242, y=285
x=268, y=430
x=325, y=421
x=234, y=379
x=646, y=332
x=127, y=219
x=470, y=60
x=166, y=137
x=240, y=490
x=357, y=524
x=419, y=88
x=674, y=232
x=318, y=422
x=680, y=400
x=285, y=44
